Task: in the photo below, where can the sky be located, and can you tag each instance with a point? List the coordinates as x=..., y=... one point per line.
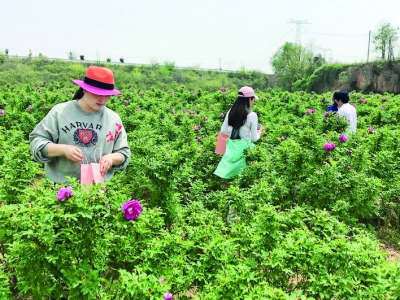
x=206, y=34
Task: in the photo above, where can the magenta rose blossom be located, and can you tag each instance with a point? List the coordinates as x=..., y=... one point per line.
x=132, y=209
x=343, y=138
x=329, y=146
x=64, y=193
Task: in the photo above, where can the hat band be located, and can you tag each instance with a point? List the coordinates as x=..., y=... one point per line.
x=98, y=84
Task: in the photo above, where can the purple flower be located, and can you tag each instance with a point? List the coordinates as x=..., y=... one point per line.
x=282, y=138
x=348, y=167
x=222, y=89
x=126, y=102
x=310, y=111
x=132, y=209
x=42, y=108
x=350, y=151
x=385, y=99
x=352, y=103
x=64, y=192
x=222, y=115
x=371, y=129
x=343, y=138
x=329, y=146
x=361, y=100
x=4, y=104
x=204, y=251
x=390, y=249
x=192, y=112
x=2, y=112
x=197, y=127
x=184, y=111
x=168, y=296
x=326, y=114
x=198, y=139
x=297, y=105
x=161, y=280
x=30, y=108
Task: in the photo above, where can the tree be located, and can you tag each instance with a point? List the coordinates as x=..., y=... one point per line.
x=82, y=57
x=290, y=63
x=108, y=59
x=71, y=55
x=384, y=40
x=121, y=60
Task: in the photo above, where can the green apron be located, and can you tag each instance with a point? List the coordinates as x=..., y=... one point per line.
x=233, y=161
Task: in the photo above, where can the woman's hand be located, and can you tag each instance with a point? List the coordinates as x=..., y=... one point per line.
x=106, y=163
x=109, y=160
x=260, y=131
x=72, y=153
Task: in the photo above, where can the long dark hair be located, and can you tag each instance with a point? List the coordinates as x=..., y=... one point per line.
x=239, y=111
x=79, y=94
x=342, y=95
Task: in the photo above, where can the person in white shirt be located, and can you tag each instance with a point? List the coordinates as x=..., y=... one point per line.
x=347, y=110
x=242, y=124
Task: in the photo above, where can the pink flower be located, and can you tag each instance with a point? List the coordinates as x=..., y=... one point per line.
x=222, y=115
x=30, y=108
x=329, y=146
x=350, y=151
x=192, y=112
x=197, y=127
x=161, y=280
x=168, y=296
x=2, y=112
x=132, y=209
x=282, y=138
x=326, y=114
x=222, y=89
x=204, y=251
x=348, y=167
x=343, y=138
x=371, y=129
x=126, y=102
x=64, y=193
x=198, y=139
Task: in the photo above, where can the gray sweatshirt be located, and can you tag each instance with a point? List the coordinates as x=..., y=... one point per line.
x=95, y=133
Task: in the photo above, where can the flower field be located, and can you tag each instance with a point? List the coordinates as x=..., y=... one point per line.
x=315, y=214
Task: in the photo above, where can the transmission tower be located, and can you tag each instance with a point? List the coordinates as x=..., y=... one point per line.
x=298, y=28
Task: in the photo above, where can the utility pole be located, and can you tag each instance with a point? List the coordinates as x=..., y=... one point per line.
x=298, y=29
x=369, y=40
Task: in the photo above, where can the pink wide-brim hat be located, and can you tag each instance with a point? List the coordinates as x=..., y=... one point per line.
x=98, y=81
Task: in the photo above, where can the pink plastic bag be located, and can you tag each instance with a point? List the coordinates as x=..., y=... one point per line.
x=90, y=173
x=221, y=143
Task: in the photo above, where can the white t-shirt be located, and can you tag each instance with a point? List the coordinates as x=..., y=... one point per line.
x=248, y=131
x=350, y=113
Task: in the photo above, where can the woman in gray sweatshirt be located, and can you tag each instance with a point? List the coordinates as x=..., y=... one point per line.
x=83, y=130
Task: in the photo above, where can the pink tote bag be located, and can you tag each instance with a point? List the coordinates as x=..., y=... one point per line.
x=221, y=143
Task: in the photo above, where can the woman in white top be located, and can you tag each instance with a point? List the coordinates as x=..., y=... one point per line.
x=244, y=130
